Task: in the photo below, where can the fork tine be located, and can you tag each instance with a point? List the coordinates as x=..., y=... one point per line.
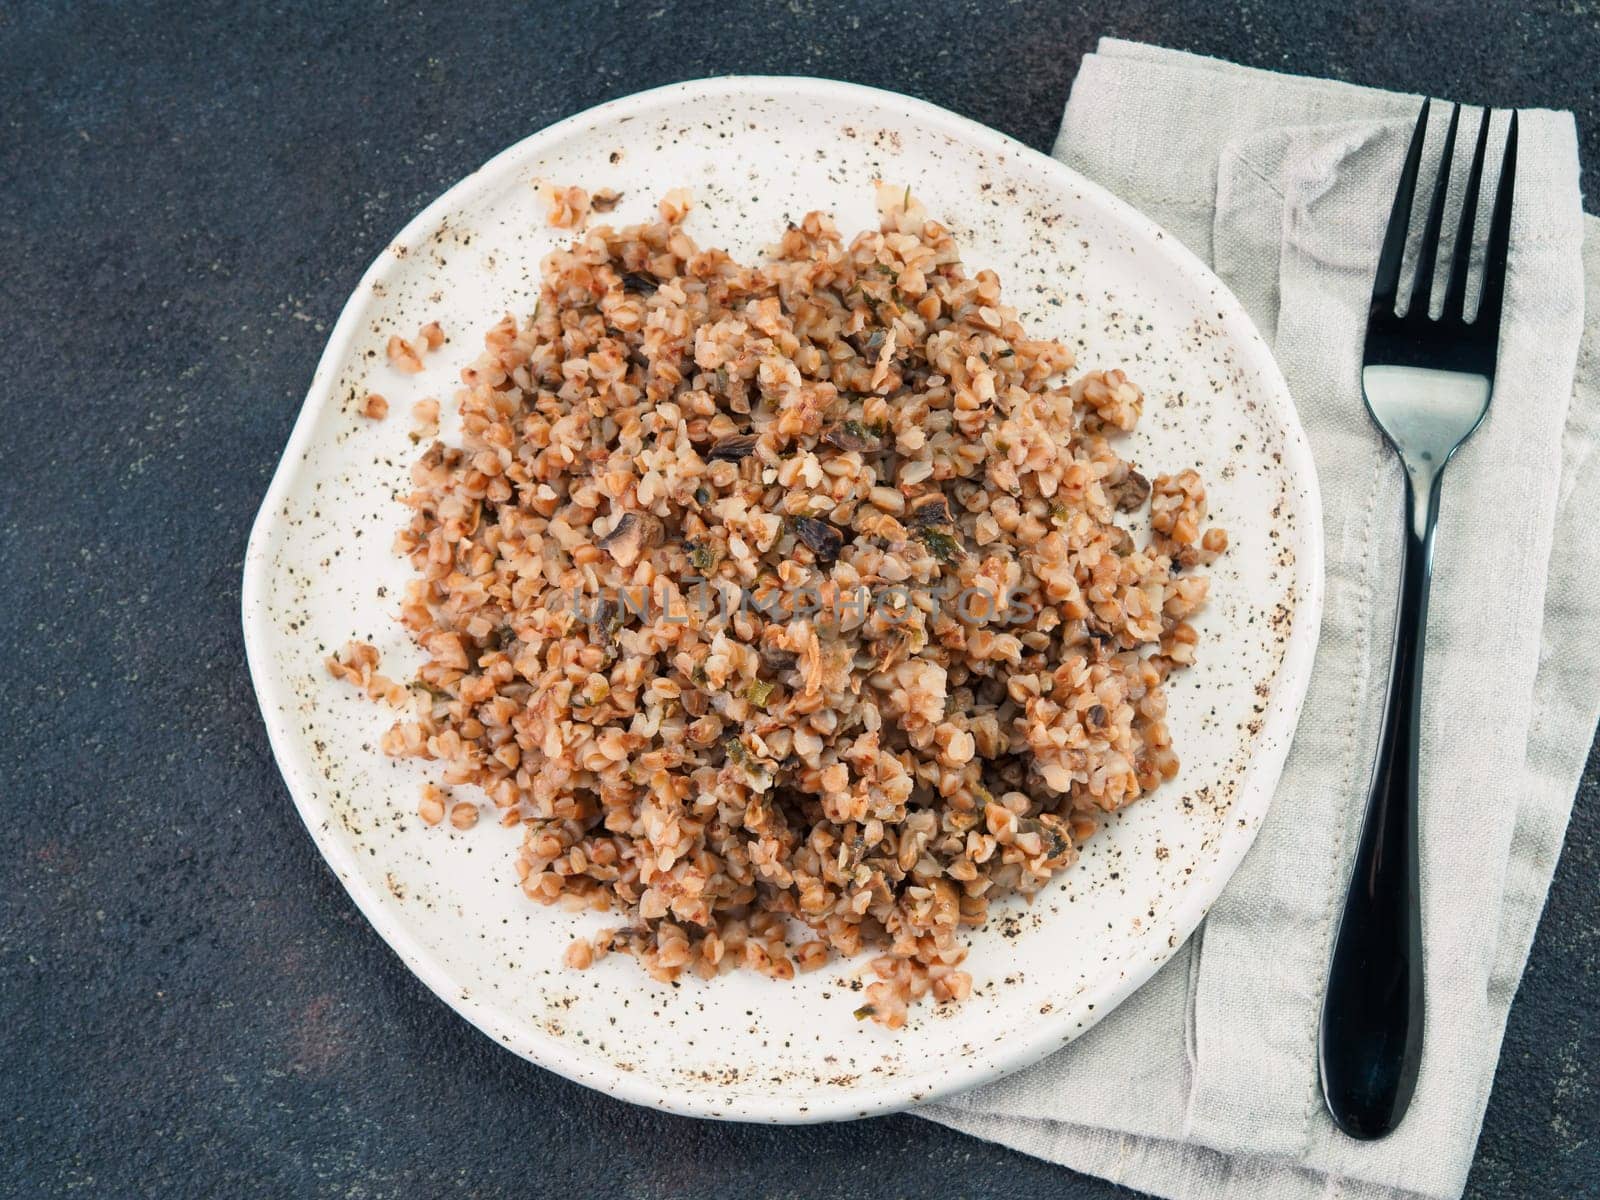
x=1428, y=255
x=1494, y=261
x=1387, y=283
x=1455, y=296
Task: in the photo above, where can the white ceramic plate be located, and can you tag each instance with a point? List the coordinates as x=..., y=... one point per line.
x=1082, y=266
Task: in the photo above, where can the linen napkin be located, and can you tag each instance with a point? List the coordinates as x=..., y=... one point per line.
x=1204, y=1083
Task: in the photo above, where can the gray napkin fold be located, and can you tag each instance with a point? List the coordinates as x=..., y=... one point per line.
x=1204, y=1083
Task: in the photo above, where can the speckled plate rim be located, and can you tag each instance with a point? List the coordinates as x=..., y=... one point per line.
x=1123, y=976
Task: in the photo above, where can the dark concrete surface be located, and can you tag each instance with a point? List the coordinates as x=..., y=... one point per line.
x=190, y=1004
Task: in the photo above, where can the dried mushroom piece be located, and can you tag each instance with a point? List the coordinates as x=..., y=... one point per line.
x=930, y=512
x=852, y=435
x=606, y=621
x=823, y=539
x=633, y=535
x=1130, y=493
x=733, y=449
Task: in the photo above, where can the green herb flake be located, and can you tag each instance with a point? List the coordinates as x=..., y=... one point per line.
x=941, y=545
x=759, y=692
x=703, y=556
x=435, y=693
x=905, y=201
x=865, y=1011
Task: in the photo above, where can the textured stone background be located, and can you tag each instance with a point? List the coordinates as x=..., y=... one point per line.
x=191, y=1005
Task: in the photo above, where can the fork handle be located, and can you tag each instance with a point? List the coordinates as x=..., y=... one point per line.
x=1371, y=1039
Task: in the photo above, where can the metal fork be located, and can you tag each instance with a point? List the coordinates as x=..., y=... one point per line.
x=1426, y=381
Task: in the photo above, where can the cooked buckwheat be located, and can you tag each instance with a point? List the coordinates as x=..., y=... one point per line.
x=784, y=606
